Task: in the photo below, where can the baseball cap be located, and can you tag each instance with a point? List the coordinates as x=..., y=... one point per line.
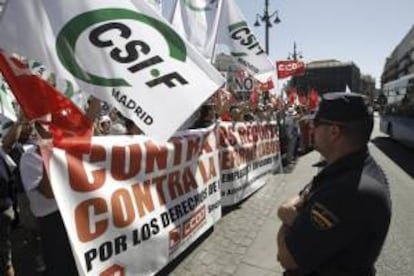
x=343, y=107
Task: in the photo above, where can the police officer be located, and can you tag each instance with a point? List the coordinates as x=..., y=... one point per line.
x=338, y=223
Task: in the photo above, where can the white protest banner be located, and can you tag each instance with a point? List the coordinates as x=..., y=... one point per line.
x=132, y=205
x=122, y=52
x=248, y=153
x=239, y=38
x=197, y=20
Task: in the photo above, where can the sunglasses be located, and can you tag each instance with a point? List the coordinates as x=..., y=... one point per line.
x=320, y=122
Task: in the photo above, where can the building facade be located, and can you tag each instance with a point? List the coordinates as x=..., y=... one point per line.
x=367, y=87
x=401, y=61
x=328, y=76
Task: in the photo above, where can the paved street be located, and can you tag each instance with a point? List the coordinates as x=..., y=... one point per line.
x=243, y=242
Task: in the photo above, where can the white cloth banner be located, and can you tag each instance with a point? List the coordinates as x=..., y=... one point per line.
x=132, y=205
x=197, y=20
x=235, y=33
x=248, y=154
x=123, y=52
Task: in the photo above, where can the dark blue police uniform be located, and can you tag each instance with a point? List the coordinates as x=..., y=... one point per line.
x=343, y=223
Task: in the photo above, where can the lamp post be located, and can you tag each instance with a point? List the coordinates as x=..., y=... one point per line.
x=295, y=55
x=266, y=17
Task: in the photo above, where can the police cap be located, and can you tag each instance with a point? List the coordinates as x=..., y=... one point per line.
x=343, y=107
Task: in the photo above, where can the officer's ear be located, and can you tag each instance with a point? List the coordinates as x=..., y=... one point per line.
x=335, y=131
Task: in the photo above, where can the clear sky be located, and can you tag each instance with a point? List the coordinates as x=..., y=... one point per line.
x=362, y=31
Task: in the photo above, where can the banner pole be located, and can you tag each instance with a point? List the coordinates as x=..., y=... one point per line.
x=220, y=8
x=173, y=11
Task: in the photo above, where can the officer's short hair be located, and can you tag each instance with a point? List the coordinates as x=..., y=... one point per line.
x=358, y=132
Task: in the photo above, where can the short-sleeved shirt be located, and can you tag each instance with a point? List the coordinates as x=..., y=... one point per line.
x=31, y=172
x=342, y=226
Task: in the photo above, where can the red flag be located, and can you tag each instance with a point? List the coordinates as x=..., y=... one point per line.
x=265, y=86
x=313, y=99
x=292, y=95
x=303, y=100
x=254, y=98
x=286, y=68
x=38, y=98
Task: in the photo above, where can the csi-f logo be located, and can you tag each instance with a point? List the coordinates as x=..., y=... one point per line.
x=136, y=54
x=240, y=33
x=201, y=5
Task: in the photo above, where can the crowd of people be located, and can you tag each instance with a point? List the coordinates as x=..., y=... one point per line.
x=27, y=201
x=339, y=130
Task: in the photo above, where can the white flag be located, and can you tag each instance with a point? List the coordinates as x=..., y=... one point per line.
x=197, y=20
x=245, y=48
x=123, y=52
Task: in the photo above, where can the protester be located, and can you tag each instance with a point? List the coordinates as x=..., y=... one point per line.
x=6, y=216
x=104, y=125
x=292, y=133
x=338, y=223
x=56, y=247
x=117, y=123
x=235, y=113
x=132, y=128
x=18, y=137
x=206, y=117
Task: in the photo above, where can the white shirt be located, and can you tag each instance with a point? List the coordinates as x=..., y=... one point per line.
x=31, y=172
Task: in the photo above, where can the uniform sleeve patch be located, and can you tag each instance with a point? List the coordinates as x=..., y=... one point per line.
x=322, y=218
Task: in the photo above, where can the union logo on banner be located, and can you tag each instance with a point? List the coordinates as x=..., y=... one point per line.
x=287, y=68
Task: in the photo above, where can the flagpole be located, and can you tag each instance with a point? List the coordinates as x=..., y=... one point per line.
x=173, y=11
x=220, y=7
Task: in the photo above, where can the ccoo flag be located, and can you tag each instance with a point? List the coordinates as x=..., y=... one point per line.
x=197, y=20
x=245, y=48
x=122, y=52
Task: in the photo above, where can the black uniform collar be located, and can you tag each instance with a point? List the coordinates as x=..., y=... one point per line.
x=351, y=160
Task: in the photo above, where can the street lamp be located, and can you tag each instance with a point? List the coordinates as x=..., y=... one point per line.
x=266, y=19
x=295, y=55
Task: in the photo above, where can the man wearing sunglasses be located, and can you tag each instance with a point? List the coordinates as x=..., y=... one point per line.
x=338, y=223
